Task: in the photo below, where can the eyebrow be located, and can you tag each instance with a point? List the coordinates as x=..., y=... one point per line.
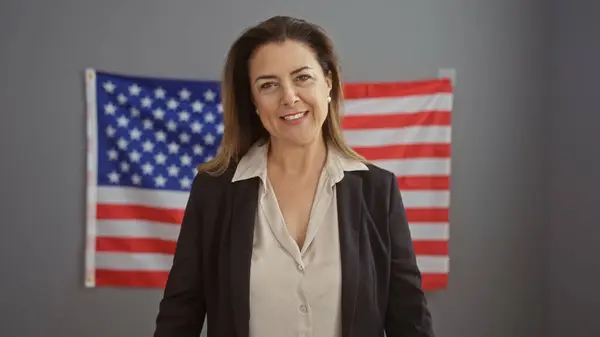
x=266, y=77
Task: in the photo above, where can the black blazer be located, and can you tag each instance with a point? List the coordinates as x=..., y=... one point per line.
x=381, y=284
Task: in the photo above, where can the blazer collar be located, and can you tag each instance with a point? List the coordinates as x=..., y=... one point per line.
x=254, y=164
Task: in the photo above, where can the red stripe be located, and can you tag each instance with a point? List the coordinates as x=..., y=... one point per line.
x=158, y=279
x=425, y=118
x=427, y=215
x=423, y=247
x=135, y=245
x=404, y=151
x=434, y=281
x=396, y=89
x=133, y=212
x=129, y=278
x=424, y=182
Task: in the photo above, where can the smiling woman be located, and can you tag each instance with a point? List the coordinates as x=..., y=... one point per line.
x=299, y=235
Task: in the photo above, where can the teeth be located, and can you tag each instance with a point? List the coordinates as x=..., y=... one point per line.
x=293, y=117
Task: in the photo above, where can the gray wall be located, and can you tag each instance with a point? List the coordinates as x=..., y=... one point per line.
x=500, y=167
x=572, y=264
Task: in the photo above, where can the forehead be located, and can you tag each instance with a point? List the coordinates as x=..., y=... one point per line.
x=282, y=58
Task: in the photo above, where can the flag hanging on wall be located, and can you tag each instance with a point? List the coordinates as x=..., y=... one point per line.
x=146, y=135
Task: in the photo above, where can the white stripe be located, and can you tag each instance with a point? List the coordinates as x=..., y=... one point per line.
x=433, y=264
x=425, y=199
x=137, y=196
x=163, y=262
x=137, y=261
x=395, y=105
x=399, y=136
x=155, y=230
x=429, y=231
x=138, y=229
x=416, y=167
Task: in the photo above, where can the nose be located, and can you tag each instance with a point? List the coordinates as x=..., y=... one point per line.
x=289, y=95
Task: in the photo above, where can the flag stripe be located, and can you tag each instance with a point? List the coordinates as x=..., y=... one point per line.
x=404, y=151
x=396, y=120
x=163, y=262
x=169, y=232
x=146, y=135
x=422, y=135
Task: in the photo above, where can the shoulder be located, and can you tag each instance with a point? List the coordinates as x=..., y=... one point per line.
x=377, y=178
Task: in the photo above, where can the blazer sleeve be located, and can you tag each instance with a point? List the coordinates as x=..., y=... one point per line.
x=182, y=309
x=407, y=312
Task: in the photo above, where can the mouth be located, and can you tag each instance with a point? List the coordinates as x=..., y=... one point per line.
x=294, y=116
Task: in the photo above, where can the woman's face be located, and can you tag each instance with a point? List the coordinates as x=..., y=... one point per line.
x=290, y=92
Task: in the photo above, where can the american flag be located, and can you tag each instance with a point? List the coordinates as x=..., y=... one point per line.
x=146, y=135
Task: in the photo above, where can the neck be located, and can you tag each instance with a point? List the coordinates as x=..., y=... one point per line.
x=298, y=160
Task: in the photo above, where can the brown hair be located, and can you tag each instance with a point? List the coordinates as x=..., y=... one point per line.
x=242, y=127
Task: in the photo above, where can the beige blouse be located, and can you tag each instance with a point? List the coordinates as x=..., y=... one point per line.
x=295, y=292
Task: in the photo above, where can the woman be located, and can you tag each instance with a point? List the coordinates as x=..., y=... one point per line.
x=288, y=231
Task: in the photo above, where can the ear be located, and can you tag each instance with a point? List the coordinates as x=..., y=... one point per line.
x=329, y=81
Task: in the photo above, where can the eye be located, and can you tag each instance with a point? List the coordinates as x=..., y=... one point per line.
x=303, y=77
x=267, y=85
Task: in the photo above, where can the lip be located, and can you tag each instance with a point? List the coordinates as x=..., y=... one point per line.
x=293, y=113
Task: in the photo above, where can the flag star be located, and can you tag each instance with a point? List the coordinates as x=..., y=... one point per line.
x=195, y=171
x=184, y=94
x=209, y=95
x=122, y=99
x=185, y=160
x=158, y=113
x=110, y=131
x=171, y=125
x=122, y=143
x=146, y=102
x=208, y=158
x=220, y=107
x=135, y=156
x=184, y=116
x=209, y=118
x=125, y=166
x=185, y=182
x=173, y=147
x=184, y=138
x=136, y=179
x=172, y=104
x=147, y=168
x=198, y=150
x=159, y=93
x=173, y=170
x=196, y=127
x=135, y=134
x=209, y=139
x=114, y=177
x=123, y=121
x=113, y=154
x=134, y=90
x=160, y=181
x=160, y=159
x=134, y=112
x=110, y=109
x=161, y=136
x=148, y=146
x=109, y=87
x=148, y=124
x=197, y=106
x=220, y=128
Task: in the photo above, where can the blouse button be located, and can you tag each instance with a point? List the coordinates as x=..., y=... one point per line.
x=300, y=267
x=303, y=308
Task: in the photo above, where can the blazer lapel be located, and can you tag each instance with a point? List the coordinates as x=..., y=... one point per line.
x=350, y=206
x=245, y=193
